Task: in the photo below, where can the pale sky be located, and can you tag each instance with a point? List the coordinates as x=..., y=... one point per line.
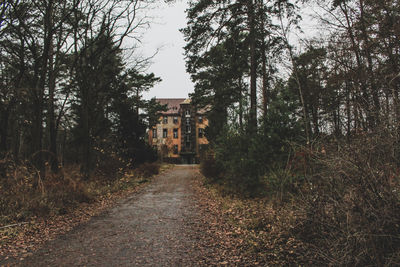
x=169, y=63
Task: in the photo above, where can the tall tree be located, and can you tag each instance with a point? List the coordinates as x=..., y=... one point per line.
x=230, y=26
x=96, y=77
x=140, y=83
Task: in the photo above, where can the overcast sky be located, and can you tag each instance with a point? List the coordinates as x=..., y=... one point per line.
x=169, y=63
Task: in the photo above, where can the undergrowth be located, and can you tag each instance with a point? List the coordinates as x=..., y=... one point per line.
x=351, y=206
x=263, y=228
x=333, y=203
x=24, y=194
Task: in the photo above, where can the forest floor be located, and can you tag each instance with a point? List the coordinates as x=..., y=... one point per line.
x=170, y=222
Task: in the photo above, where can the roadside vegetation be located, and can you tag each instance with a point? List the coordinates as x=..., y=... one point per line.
x=31, y=216
x=304, y=152
x=72, y=117
x=58, y=194
x=339, y=206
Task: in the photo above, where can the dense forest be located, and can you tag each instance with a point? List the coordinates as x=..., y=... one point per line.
x=71, y=106
x=305, y=126
x=69, y=89
x=313, y=122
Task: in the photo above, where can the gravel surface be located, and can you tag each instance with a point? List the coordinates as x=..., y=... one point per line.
x=160, y=226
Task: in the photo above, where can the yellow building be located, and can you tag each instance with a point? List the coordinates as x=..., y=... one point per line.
x=179, y=134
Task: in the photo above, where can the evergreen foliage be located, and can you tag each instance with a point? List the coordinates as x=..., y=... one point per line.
x=229, y=44
x=325, y=147
x=67, y=96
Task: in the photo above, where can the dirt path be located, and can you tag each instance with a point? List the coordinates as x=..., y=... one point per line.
x=158, y=227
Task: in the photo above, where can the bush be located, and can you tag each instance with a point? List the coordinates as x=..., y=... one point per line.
x=282, y=183
x=25, y=194
x=245, y=160
x=351, y=207
x=109, y=167
x=208, y=166
x=237, y=155
x=147, y=169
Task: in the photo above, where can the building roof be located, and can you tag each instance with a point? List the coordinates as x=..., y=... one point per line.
x=173, y=104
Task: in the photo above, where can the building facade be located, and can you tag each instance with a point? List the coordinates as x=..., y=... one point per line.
x=179, y=135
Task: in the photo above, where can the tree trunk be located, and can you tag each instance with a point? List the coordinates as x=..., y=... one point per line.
x=37, y=135
x=314, y=114
x=361, y=76
x=87, y=155
x=348, y=109
x=51, y=116
x=240, y=104
x=306, y=119
x=264, y=78
x=263, y=61
x=4, y=129
x=253, y=68
x=367, y=52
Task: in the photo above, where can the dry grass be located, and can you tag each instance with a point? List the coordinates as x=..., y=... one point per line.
x=351, y=207
x=24, y=194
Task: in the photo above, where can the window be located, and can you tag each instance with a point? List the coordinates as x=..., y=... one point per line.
x=175, y=149
x=200, y=119
x=201, y=132
x=188, y=138
x=187, y=121
x=175, y=133
x=188, y=129
x=154, y=133
x=165, y=133
x=175, y=120
x=187, y=112
x=165, y=119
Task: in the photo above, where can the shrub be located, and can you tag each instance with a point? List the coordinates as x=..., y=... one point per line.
x=244, y=159
x=282, y=183
x=24, y=194
x=351, y=207
x=147, y=169
x=109, y=167
x=208, y=166
x=238, y=157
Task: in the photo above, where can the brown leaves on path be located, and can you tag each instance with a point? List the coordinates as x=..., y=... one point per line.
x=228, y=249
x=21, y=241
x=250, y=232
x=219, y=230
